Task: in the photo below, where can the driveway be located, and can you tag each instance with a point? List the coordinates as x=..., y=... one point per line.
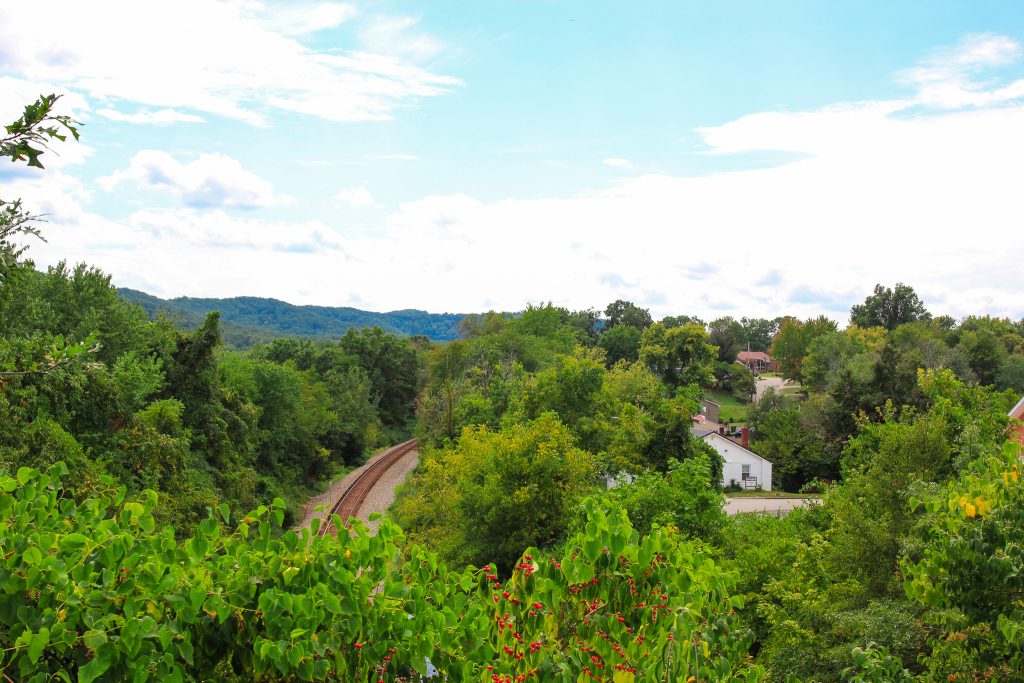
x=775, y=506
x=761, y=385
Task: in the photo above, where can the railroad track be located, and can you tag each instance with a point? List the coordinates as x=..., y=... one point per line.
x=351, y=500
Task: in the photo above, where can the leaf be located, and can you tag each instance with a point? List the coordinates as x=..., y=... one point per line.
x=25, y=474
x=38, y=643
x=32, y=556
x=93, y=670
x=72, y=542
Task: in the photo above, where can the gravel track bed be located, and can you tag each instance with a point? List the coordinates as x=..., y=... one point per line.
x=331, y=495
x=382, y=495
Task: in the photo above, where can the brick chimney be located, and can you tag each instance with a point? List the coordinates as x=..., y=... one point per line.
x=745, y=437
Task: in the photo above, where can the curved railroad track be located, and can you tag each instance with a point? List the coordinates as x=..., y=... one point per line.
x=352, y=499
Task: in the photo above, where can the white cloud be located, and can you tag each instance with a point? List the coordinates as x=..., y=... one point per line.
x=397, y=35
x=309, y=17
x=878, y=192
x=624, y=164
x=358, y=197
x=161, y=117
x=218, y=58
x=212, y=180
x=948, y=78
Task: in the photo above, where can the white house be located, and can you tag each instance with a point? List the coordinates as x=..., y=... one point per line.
x=742, y=465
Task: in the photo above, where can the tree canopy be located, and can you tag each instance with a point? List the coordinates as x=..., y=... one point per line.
x=889, y=308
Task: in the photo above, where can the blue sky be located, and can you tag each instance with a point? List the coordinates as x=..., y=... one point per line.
x=738, y=158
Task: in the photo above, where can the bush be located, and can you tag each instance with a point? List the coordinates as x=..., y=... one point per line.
x=93, y=590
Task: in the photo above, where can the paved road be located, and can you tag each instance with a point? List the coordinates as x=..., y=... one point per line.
x=763, y=384
x=770, y=505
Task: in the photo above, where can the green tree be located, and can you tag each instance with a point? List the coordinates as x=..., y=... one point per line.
x=393, y=369
x=758, y=332
x=729, y=336
x=1011, y=374
x=965, y=559
x=889, y=308
x=496, y=492
x=683, y=498
x=621, y=312
x=680, y=320
x=791, y=343
x=679, y=355
x=621, y=342
x=985, y=353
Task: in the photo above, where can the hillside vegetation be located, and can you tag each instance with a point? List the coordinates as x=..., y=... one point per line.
x=248, y=321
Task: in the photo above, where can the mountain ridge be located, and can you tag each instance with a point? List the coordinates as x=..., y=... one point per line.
x=249, y=320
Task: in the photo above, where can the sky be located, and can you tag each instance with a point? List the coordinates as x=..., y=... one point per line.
x=710, y=159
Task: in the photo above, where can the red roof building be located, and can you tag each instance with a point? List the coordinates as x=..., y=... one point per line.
x=757, y=361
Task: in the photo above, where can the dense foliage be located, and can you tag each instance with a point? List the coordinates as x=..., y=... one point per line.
x=88, y=379
x=95, y=591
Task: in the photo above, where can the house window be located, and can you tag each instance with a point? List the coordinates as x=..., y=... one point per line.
x=746, y=472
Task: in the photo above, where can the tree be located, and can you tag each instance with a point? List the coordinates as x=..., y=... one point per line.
x=586, y=324
x=496, y=492
x=680, y=320
x=683, y=497
x=679, y=355
x=26, y=140
x=621, y=342
x=729, y=336
x=889, y=308
x=759, y=332
x=984, y=352
x=792, y=341
x=621, y=312
x=393, y=369
x=1011, y=374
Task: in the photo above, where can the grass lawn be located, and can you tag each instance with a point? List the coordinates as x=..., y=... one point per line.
x=731, y=407
x=765, y=375
x=771, y=494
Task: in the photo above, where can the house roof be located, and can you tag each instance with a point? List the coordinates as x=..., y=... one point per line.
x=705, y=433
x=753, y=355
x=1017, y=412
x=704, y=400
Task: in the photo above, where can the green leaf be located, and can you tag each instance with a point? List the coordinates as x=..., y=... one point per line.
x=93, y=670
x=72, y=542
x=38, y=643
x=32, y=556
x=25, y=474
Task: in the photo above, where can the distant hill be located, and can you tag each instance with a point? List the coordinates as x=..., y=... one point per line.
x=248, y=320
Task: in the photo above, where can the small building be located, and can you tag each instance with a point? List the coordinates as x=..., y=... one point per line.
x=757, y=361
x=742, y=465
x=710, y=410
x=1016, y=415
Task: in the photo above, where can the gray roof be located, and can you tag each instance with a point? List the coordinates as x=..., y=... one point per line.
x=701, y=433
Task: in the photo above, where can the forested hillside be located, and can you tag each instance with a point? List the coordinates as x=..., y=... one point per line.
x=248, y=321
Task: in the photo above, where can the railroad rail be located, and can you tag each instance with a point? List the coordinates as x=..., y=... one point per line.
x=351, y=500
